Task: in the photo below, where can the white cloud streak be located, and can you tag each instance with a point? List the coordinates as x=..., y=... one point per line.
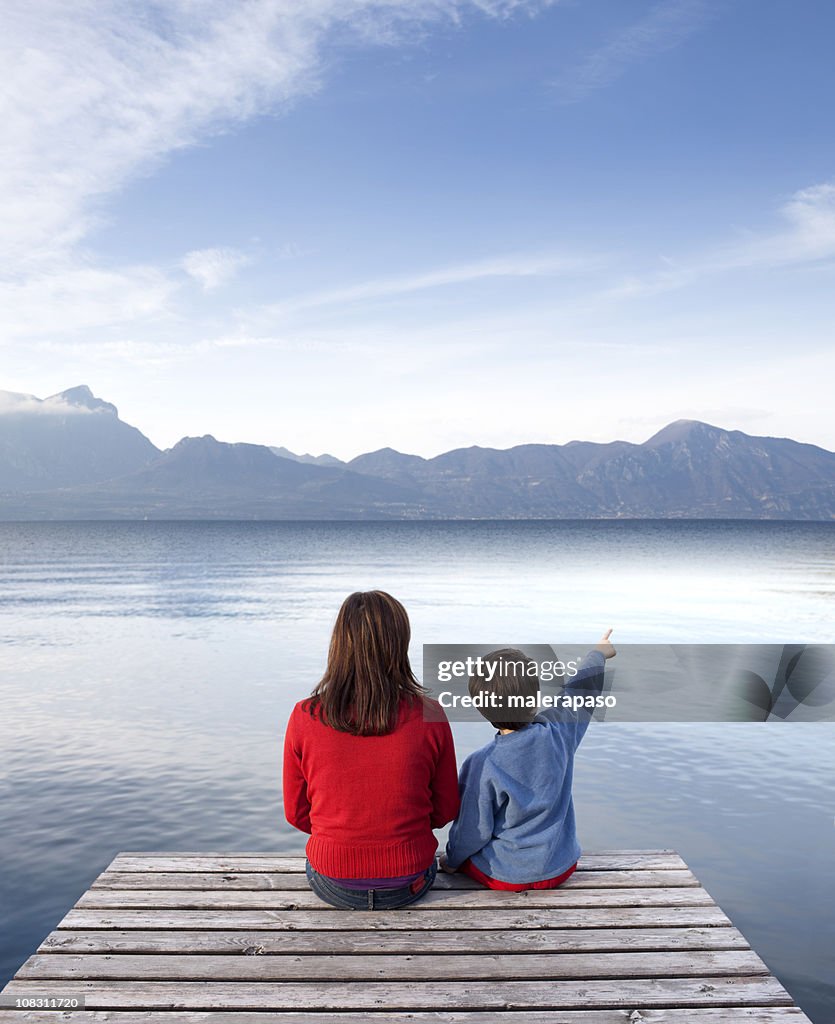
x=807, y=238
x=99, y=91
x=213, y=267
x=666, y=25
x=14, y=404
x=70, y=296
x=516, y=265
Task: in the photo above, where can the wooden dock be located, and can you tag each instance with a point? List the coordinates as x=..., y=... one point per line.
x=238, y=938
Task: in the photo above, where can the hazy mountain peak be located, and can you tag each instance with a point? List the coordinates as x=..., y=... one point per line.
x=208, y=450
x=83, y=398
x=390, y=451
x=68, y=439
x=204, y=441
x=387, y=462
x=311, y=460
x=683, y=430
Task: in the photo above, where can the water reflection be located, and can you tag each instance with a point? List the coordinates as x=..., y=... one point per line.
x=148, y=670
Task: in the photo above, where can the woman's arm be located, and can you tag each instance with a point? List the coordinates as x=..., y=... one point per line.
x=294, y=784
x=445, y=801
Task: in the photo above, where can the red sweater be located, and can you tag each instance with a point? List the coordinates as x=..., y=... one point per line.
x=370, y=802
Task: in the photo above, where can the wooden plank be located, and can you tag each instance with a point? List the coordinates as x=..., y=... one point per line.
x=705, y=1015
x=283, y=881
x=191, y=939
x=611, y=861
x=418, y=995
x=396, y=920
x=421, y=967
x=591, y=940
x=493, y=902
x=285, y=856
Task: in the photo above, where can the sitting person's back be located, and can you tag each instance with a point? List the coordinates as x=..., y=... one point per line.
x=369, y=765
x=370, y=802
x=516, y=826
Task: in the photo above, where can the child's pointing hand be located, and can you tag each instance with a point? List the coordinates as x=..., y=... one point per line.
x=605, y=645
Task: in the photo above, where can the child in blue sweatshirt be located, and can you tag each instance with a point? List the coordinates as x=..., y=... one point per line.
x=515, y=829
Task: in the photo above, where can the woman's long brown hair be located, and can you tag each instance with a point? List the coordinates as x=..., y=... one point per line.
x=368, y=672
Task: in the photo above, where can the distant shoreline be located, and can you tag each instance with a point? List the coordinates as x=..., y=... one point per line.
x=70, y=457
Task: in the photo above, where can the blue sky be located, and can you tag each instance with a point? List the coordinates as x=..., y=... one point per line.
x=346, y=224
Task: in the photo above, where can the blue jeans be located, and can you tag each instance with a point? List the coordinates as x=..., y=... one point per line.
x=367, y=899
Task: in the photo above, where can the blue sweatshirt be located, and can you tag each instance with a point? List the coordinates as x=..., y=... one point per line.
x=516, y=821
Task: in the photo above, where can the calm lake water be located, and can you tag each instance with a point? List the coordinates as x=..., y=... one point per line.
x=148, y=669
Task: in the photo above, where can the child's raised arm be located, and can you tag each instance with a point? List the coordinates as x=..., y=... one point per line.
x=589, y=675
x=588, y=679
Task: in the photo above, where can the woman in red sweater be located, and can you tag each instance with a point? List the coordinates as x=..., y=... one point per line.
x=369, y=765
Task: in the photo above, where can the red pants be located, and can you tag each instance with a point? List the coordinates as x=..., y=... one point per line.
x=468, y=868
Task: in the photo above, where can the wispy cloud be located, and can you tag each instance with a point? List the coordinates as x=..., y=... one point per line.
x=97, y=93
x=809, y=235
x=69, y=296
x=666, y=25
x=509, y=266
x=13, y=404
x=806, y=237
x=213, y=267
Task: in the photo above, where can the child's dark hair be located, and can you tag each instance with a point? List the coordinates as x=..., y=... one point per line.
x=515, y=676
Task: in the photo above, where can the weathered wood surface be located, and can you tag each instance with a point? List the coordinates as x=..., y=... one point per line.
x=455, y=899
x=664, y=1015
x=385, y=967
x=381, y=995
x=265, y=943
x=287, y=882
x=198, y=938
x=381, y=920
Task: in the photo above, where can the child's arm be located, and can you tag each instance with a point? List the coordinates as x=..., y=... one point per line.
x=587, y=680
x=473, y=828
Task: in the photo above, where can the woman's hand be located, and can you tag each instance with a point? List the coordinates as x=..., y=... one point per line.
x=605, y=645
x=443, y=864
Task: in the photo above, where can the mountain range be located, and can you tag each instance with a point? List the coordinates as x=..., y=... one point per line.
x=70, y=456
